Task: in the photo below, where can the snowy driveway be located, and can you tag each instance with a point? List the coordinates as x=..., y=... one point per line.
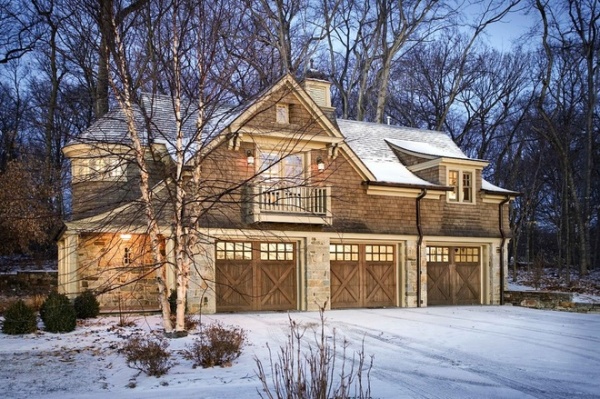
x=444, y=352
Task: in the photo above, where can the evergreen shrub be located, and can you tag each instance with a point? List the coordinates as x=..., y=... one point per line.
x=58, y=314
x=19, y=319
x=86, y=305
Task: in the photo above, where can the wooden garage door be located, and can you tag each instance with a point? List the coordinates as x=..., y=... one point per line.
x=453, y=276
x=362, y=275
x=254, y=276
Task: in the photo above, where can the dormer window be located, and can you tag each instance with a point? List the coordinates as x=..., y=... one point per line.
x=462, y=184
x=282, y=113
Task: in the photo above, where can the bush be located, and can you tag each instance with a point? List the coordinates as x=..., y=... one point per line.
x=58, y=314
x=217, y=346
x=19, y=319
x=148, y=355
x=86, y=305
x=317, y=369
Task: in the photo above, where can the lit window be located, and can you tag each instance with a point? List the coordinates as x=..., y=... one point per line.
x=127, y=256
x=453, y=182
x=343, y=252
x=438, y=254
x=379, y=253
x=467, y=187
x=462, y=186
x=234, y=250
x=101, y=168
x=277, y=169
x=276, y=251
x=282, y=113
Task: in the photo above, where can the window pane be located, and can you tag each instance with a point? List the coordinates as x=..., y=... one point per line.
x=453, y=182
x=467, y=187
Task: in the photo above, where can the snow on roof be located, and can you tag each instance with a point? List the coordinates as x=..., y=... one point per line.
x=370, y=143
x=160, y=113
x=487, y=186
x=440, y=149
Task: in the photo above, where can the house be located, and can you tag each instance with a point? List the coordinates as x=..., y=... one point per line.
x=298, y=209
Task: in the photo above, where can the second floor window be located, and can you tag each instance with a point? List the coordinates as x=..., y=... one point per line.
x=462, y=184
x=286, y=170
x=101, y=168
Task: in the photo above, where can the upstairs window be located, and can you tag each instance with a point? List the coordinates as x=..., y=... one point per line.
x=467, y=187
x=453, y=182
x=278, y=169
x=101, y=168
x=462, y=186
x=282, y=113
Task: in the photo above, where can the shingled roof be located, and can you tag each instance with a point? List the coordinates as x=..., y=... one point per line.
x=373, y=143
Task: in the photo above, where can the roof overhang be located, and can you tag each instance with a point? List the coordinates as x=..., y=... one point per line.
x=405, y=190
x=447, y=161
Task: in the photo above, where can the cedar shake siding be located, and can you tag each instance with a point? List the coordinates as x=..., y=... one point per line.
x=294, y=209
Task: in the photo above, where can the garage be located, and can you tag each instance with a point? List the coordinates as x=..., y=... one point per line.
x=254, y=276
x=453, y=275
x=362, y=275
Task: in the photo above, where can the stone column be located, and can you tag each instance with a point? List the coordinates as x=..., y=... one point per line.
x=410, y=274
x=317, y=282
x=68, y=277
x=201, y=294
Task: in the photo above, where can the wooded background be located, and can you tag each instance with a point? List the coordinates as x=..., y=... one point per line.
x=530, y=107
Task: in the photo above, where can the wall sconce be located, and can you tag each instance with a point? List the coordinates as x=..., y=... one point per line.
x=125, y=237
x=320, y=164
x=250, y=157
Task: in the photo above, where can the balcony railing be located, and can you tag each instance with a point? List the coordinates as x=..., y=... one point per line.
x=302, y=204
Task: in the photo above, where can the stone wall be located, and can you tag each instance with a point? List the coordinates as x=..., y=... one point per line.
x=29, y=282
x=120, y=283
x=548, y=300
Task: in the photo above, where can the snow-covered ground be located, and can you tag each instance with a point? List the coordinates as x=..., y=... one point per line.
x=442, y=352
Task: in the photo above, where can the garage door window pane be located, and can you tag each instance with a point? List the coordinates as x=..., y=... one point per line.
x=379, y=253
x=343, y=252
x=467, y=255
x=438, y=254
x=276, y=251
x=234, y=250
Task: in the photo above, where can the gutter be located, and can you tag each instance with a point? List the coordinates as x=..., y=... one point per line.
x=405, y=185
x=503, y=235
x=419, y=243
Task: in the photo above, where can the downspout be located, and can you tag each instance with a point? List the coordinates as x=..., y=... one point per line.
x=503, y=235
x=419, y=243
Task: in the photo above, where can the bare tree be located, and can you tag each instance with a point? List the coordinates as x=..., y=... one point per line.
x=19, y=30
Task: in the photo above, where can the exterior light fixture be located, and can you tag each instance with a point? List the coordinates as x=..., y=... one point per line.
x=320, y=164
x=250, y=157
x=125, y=237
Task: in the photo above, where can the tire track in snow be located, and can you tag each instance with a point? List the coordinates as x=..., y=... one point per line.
x=583, y=351
x=513, y=324
x=501, y=376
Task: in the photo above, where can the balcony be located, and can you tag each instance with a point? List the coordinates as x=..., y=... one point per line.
x=302, y=204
